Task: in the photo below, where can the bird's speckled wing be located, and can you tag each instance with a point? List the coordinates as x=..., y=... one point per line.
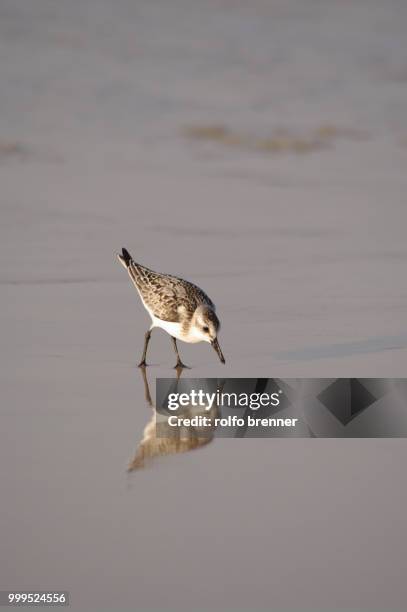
x=167, y=297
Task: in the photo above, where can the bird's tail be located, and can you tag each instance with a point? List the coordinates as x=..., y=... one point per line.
x=125, y=259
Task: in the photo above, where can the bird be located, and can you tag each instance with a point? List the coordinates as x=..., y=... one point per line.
x=175, y=305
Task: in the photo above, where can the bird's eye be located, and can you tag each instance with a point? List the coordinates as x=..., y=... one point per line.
x=205, y=329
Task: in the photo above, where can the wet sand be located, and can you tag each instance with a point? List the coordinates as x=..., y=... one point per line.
x=290, y=212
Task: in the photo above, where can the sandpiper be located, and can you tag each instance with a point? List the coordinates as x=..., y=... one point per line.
x=179, y=307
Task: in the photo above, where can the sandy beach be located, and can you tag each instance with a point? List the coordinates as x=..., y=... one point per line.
x=260, y=150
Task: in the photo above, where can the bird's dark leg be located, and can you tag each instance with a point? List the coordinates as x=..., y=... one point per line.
x=146, y=387
x=179, y=362
x=142, y=363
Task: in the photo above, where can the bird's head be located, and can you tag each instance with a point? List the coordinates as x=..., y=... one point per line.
x=206, y=326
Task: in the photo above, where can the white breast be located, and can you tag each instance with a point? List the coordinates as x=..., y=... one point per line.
x=174, y=329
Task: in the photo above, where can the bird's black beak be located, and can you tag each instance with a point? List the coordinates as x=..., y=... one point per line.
x=217, y=348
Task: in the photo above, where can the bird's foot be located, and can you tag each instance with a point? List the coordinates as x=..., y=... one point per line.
x=180, y=366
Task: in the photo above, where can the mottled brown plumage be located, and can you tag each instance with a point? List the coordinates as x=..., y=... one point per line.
x=168, y=297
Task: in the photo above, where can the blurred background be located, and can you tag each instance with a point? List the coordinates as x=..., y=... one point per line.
x=259, y=149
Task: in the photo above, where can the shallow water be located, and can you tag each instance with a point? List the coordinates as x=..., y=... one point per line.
x=303, y=252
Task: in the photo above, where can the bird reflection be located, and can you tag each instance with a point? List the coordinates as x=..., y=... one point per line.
x=172, y=440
